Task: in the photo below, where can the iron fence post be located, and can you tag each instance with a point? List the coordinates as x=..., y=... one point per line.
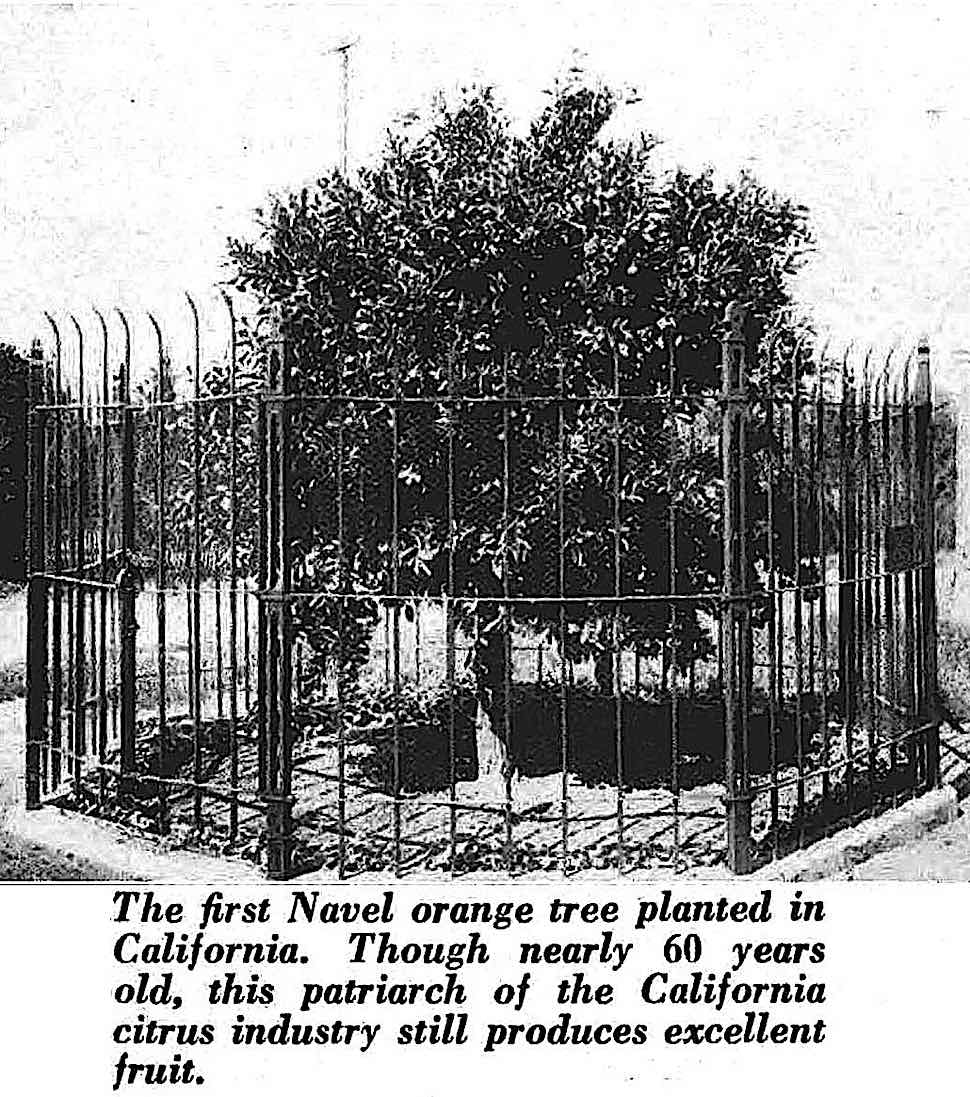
x=927, y=480
x=262, y=555
x=847, y=550
x=276, y=634
x=79, y=746
x=735, y=610
x=161, y=574
x=36, y=671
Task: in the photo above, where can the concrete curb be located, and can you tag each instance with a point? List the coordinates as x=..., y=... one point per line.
x=126, y=856
x=833, y=857
x=123, y=855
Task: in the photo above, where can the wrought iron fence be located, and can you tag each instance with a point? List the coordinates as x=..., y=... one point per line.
x=386, y=620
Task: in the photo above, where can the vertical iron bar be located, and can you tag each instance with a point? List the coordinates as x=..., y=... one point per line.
x=127, y=580
x=734, y=582
x=921, y=504
x=70, y=470
x=810, y=541
x=887, y=516
x=46, y=397
x=91, y=552
x=866, y=608
x=342, y=411
x=916, y=627
x=216, y=572
x=452, y=413
x=821, y=433
x=878, y=526
x=746, y=639
x=115, y=644
x=925, y=457
x=507, y=621
x=275, y=617
x=615, y=651
x=262, y=580
x=56, y=588
x=909, y=593
x=673, y=586
x=561, y=584
x=847, y=574
x=90, y=567
x=798, y=624
x=36, y=663
x=233, y=573
x=195, y=579
x=191, y=654
x=859, y=550
x=396, y=607
x=161, y=578
x=79, y=746
x=103, y=553
x=773, y=586
x=780, y=661
x=283, y=867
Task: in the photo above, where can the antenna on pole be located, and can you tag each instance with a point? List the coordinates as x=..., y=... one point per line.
x=344, y=49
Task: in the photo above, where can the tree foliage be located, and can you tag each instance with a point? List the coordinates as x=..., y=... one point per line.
x=471, y=261
x=218, y=425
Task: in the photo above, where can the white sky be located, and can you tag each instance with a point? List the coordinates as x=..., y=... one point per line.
x=135, y=138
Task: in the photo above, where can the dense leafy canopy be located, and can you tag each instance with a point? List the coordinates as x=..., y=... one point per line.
x=474, y=262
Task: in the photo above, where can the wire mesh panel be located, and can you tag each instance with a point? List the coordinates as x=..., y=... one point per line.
x=394, y=615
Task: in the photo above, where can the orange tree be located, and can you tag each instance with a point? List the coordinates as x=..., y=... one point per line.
x=473, y=261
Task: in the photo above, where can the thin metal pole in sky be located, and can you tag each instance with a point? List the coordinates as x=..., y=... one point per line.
x=344, y=51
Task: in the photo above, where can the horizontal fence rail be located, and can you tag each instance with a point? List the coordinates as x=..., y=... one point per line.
x=398, y=620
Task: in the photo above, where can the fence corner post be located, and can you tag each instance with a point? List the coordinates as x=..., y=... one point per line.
x=279, y=835
x=735, y=610
x=275, y=683
x=926, y=464
x=36, y=668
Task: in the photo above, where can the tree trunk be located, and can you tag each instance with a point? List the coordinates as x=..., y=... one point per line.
x=603, y=671
x=491, y=722
x=491, y=755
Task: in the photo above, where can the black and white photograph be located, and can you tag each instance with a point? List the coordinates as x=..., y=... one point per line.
x=540, y=485
x=463, y=445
